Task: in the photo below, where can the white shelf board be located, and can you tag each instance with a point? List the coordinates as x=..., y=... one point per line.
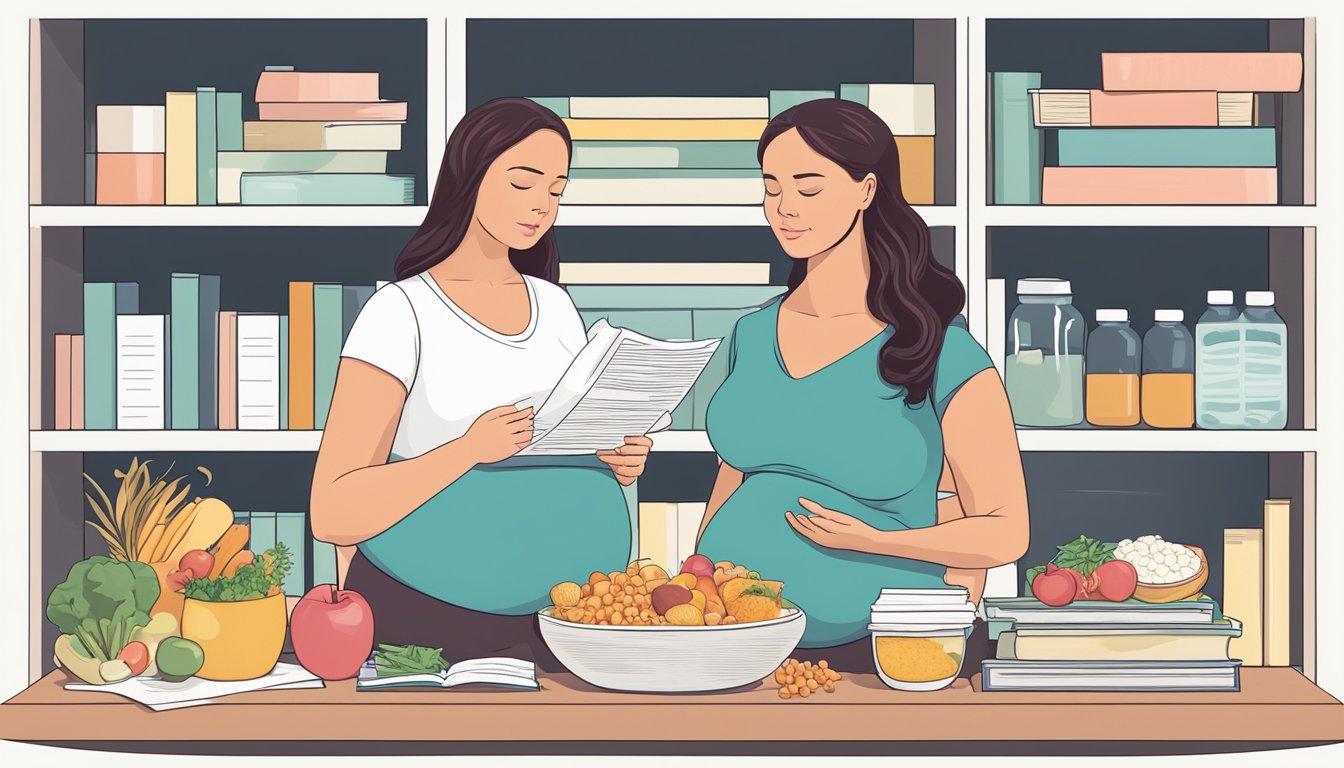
x=226, y=215
x=1157, y=440
x=707, y=215
x=1149, y=216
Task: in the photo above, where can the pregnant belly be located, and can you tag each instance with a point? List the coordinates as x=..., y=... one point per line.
x=497, y=540
x=835, y=588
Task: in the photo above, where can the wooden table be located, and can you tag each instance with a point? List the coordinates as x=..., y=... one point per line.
x=1276, y=708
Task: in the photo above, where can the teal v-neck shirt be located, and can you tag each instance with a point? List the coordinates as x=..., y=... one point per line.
x=844, y=438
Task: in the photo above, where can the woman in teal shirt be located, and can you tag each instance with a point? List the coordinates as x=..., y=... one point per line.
x=857, y=396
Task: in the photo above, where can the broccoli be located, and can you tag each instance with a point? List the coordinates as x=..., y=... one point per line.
x=102, y=601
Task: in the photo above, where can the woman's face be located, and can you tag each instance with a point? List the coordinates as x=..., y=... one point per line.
x=521, y=190
x=810, y=201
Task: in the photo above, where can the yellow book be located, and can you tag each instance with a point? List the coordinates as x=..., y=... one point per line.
x=1276, y=589
x=1242, y=592
x=179, y=142
x=665, y=130
x=916, y=154
x=658, y=533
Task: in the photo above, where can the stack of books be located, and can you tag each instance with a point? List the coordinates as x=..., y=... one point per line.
x=1165, y=128
x=1105, y=646
x=1257, y=586
x=129, y=162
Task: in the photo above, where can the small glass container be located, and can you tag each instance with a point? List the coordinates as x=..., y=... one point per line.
x=914, y=657
x=1043, y=369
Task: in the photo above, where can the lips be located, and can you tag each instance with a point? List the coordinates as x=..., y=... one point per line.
x=529, y=229
x=792, y=234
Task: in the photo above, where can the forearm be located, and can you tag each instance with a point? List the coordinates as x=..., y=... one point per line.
x=979, y=541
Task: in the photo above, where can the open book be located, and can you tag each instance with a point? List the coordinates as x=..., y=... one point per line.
x=621, y=383
x=497, y=670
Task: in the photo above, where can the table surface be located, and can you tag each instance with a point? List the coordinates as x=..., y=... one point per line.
x=1274, y=707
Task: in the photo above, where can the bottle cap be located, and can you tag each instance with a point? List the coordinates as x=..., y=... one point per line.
x=1112, y=315
x=1220, y=298
x=1043, y=286
x=1259, y=298
x=1168, y=316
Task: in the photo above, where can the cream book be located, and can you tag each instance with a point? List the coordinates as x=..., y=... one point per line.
x=1109, y=642
x=1242, y=591
x=1277, y=595
x=740, y=190
x=669, y=107
x=664, y=273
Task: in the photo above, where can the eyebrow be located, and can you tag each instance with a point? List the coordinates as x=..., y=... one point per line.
x=797, y=176
x=534, y=170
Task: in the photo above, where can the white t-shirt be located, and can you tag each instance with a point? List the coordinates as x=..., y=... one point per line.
x=453, y=367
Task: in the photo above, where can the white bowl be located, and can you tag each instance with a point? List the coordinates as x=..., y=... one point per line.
x=672, y=659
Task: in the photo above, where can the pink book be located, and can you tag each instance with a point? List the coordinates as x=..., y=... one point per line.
x=1154, y=108
x=228, y=370
x=129, y=179
x=77, y=381
x=63, y=381
x=1082, y=185
x=317, y=86
x=333, y=111
x=1266, y=72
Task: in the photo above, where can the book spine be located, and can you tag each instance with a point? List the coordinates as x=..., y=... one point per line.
x=258, y=371
x=673, y=107
x=855, y=92
x=64, y=388
x=1277, y=591
x=284, y=372
x=321, y=161
x=1090, y=185
x=180, y=148
x=557, y=104
x=300, y=355
x=731, y=191
x=317, y=86
x=185, y=314
x=1221, y=71
x=917, y=168
x=1017, y=141
x=665, y=154
x=228, y=370
x=384, y=111
x=77, y=381
x=125, y=128
x=658, y=532
x=1243, y=581
x=290, y=530
x=129, y=179
x=665, y=173
x=785, y=99
x=665, y=130
x=907, y=108
x=327, y=325
x=352, y=301
x=207, y=351
x=1236, y=109
x=100, y=356
x=229, y=121
x=261, y=532
x=206, y=145
x=142, y=359
x=1157, y=108
x=327, y=189
x=1152, y=147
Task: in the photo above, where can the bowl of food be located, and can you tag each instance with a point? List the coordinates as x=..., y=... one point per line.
x=1167, y=571
x=711, y=628
x=918, y=658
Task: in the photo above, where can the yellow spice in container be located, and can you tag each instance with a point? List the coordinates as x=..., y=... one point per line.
x=915, y=659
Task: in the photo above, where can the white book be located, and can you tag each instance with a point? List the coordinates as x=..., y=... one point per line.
x=258, y=371
x=142, y=371
x=1015, y=675
x=656, y=107
x=160, y=695
x=499, y=671
x=621, y=383
x=675, y=191
x=587, y=156
x=907, y=108
x=127, y=128
x=664, y=273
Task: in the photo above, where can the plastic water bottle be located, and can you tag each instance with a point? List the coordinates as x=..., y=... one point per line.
x=1264, y=363
x=1218, y=371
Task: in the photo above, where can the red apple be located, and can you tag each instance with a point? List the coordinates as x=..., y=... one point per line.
x=332, y=632
x=198, y=561
x=698, y=565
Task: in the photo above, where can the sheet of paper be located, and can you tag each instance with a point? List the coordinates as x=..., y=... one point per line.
x=203, y=702
x=156, y=693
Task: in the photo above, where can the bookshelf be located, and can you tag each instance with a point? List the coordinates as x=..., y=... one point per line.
x=454, y=63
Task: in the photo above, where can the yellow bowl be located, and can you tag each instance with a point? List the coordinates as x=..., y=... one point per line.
x=1180, y=590
x=241, y=640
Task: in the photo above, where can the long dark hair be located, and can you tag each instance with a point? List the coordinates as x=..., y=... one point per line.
x=907, y=289
x=483, y=134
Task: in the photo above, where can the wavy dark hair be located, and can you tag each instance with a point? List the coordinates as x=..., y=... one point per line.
x=483, y=135
x=907, y=289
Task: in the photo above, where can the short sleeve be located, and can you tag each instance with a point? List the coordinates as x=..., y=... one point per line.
x=961, y=358
x=386, y=335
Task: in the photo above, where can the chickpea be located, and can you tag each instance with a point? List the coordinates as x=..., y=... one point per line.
x=602, y=588
x=780, y=677
x=629, y=590
x=637, y=580
x=616, y=619
x=808, y=674
x=596, y=577
x=823, y=664
x=789, y=679
x=620, y=579
x=829, y=687
x=641, y=599
x=804, y=692
x=783, y=693
x=811, y=684
x=607, y=599
x=792, y=688
x=586, y=590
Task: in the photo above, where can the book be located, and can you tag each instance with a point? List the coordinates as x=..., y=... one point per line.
x=1109, y=642
x=333, y=111
x=665, y=154
x=661, y=174
x=232, y=166
x=327, y=189
x=228, y=121
x=1207, y=71
x=258, y=370
x=128, y=128
x=129, y=179
x=1149, y=147
x=1277, y=598
x=1243, y=584
x=728, y=190
x=195, y=307
x=206, y=145
x=64, y=388
x=1028, y=610
x=284, y=372
x=659, y=540
x=324, y=563
x=261, y=531
x=227, y=387
x=664, y=273
x=103, y=302
x=665, y=130
x=1236, y=109
x=77, y=381
x=143, y=374
x=352, y=301
x=300, y=343
x=313, y=135
x=621, y=383
x=291, y=529
x=1015, y=675
x=1055, y=107
x=497, y=671
x=327, y=329
x=665, y=107
x=907, y=108
x=1016, y=141
x=557, y=104
x=1092, y=185
x=179, y=141
x=316, y=86
x=781, y=100
x=160, y=696
x=917, y=168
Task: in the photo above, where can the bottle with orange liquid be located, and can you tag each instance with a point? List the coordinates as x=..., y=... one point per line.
x=1113, y=362
x=1168, y=386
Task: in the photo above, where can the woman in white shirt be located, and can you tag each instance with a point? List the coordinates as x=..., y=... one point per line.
x=453, y=539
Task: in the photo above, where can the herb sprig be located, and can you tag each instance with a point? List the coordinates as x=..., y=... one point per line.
x=391, y=660
x=250, y=582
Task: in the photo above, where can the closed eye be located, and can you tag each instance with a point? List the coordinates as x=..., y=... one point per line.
x=809, y=194
x=515, y=186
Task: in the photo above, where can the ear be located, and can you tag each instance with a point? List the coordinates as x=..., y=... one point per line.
x=869, y=189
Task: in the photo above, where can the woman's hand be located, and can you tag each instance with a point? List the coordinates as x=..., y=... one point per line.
x=499, y=433
x=627, y=461
x=831, y=529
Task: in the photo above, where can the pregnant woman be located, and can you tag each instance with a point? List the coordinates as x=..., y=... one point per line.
x=458, y=540
x=853, y=399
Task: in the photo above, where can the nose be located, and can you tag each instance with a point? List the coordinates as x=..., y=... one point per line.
x=786, y=205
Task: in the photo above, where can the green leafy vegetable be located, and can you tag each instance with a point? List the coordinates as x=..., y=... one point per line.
x=391, y=660
x=1084, y=554
x=1032, y=573
x=250, y=582
x=759, y=590
x=102, y=601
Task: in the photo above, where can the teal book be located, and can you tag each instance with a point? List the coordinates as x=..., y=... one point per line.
x=261, y=532
x=856, y=92
x=324, y=562
x=352, y=300
x=291, y=530
x=102, y=303
x=327, y=325
x=1017, y=141
x=665, y=173
x=229, y=121
x=782, y=100
x=665, y=154
x=328, y=189
x=1168, y=147
x=557, y=104
x=194, y=307
x=284, y=371
x=206, y=143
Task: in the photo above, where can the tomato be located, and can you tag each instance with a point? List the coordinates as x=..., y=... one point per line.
x=136, y=656
x=1053, y=587
x=1117, y=580
x=199, y=562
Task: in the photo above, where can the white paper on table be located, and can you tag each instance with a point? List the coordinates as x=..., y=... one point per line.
x=158, y=694
x=200, y=702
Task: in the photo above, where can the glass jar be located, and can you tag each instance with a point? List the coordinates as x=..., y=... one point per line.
x=1043, y=370
x=1168, y=386
x=1113, y=363
x=1218, y=403
x=918, y=657
x=1264, y=363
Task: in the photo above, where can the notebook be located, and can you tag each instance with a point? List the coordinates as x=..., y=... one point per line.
x=497, y=670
